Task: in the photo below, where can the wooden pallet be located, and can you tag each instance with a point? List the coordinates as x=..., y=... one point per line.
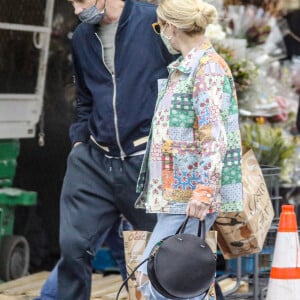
x=28, y=287
x=103, y=288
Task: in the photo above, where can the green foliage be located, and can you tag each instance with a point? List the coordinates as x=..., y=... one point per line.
x=270, y=145
x=243, y=72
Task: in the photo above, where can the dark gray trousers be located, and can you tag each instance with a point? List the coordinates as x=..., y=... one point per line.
x=96, y=190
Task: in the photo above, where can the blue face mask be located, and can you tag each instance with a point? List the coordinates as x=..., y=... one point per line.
x=92, y=15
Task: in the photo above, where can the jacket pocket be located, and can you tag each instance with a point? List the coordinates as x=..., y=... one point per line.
x=180, y=169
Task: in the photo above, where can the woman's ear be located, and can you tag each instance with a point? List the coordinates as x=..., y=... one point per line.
x=173, y=29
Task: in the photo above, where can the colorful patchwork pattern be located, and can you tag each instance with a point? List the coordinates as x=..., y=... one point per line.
x=195, y=145
x=181, y=134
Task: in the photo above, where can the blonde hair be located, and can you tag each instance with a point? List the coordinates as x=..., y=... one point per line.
x=191, y=16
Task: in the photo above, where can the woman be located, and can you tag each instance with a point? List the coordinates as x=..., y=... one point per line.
x=193, y=161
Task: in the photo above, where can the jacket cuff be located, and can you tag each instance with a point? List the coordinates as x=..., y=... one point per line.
x=79, y=133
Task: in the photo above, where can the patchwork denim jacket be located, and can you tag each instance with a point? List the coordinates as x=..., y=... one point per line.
x=194, y=148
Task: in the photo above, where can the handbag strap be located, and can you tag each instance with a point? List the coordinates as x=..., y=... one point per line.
x=131, y=275
x=201, y=228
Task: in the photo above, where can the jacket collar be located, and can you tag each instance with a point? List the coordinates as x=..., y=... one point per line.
x=126, y=12
x=186, y=65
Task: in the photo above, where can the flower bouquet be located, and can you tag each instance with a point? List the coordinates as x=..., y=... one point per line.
x=272, y=146
x=243, y=70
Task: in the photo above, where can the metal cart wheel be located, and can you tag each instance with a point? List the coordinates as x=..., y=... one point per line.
x=14, y=257
x=263, y=293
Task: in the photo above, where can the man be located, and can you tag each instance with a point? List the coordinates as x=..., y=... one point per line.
x=117, y=62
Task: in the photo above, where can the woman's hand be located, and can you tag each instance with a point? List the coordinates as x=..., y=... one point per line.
x=197, y=209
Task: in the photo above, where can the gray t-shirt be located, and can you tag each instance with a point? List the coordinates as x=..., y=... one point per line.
x=107, y=33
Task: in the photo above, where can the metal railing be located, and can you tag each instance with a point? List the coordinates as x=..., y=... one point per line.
x=20, y=112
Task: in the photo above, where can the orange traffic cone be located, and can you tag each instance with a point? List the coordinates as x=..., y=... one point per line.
x=285, y=273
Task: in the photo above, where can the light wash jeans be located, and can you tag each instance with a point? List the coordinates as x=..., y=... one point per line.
x=166, y=225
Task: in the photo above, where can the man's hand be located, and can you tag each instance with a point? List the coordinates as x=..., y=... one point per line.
x=197, y=209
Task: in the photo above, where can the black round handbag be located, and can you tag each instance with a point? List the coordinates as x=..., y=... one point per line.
x=182, y=265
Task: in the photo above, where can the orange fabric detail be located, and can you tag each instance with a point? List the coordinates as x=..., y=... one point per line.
x=285, y=273
x=168, y=179
x=203, y=193
x=221, y=61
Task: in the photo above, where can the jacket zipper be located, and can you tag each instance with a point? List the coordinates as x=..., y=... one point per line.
x=122, y=153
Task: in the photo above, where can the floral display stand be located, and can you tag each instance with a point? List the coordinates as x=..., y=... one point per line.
x=250, y=39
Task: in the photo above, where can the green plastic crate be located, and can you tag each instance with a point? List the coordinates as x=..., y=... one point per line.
x=9, y=149
x=8, y=168
x=6, y=182
x=14, y=196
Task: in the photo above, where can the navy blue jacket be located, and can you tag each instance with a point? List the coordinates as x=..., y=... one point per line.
x=116, y=109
